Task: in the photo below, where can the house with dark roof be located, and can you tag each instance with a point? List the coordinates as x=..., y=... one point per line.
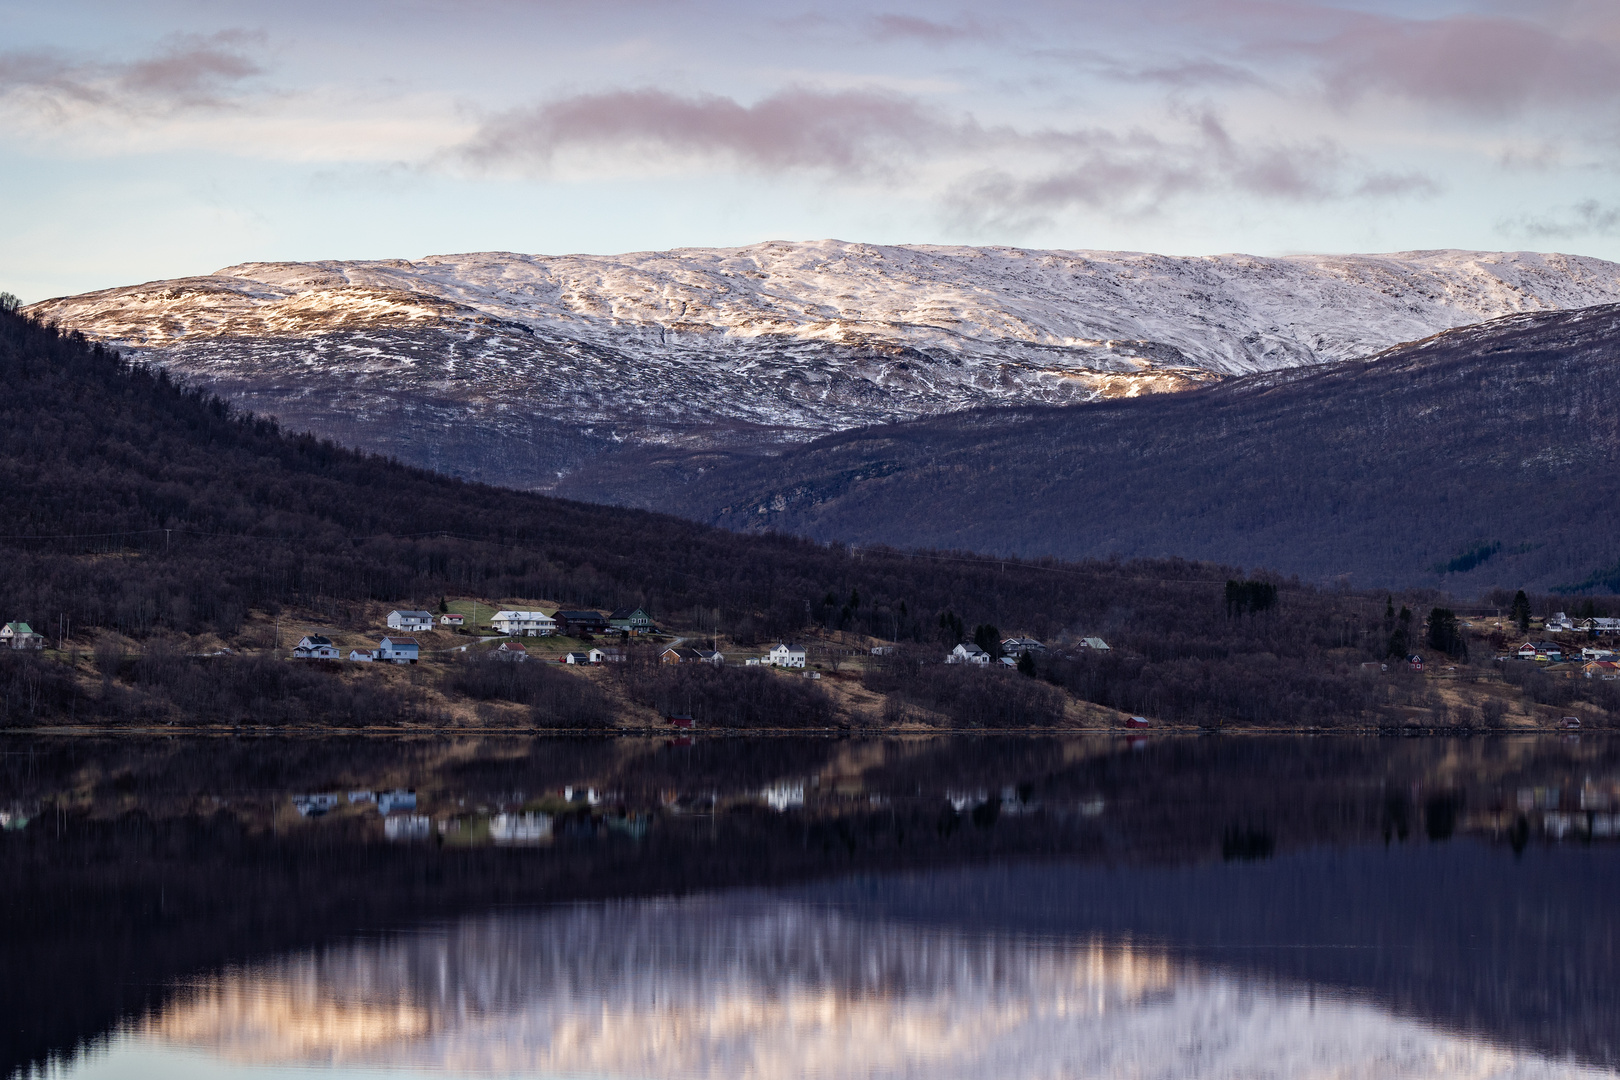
x=315, y=647
x=967, y=653
x=410, y=620
x=402, y=650
x=784, y=655
x=579, y=623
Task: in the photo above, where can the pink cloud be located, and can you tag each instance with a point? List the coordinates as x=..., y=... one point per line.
x=1137, y=174
x=190, y=70
x=1483, y=65
x=845, y=132
x=892, y=27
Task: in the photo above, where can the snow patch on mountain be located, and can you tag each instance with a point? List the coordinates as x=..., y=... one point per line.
x=784, y=340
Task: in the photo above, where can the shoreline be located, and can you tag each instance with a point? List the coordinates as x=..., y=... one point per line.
x=374, y=731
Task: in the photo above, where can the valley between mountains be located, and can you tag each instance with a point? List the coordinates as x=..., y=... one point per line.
x=1063, y=403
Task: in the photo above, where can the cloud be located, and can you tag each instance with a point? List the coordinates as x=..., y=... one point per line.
x=848, y=132
x=983, y=175
x=1588, y=218
x=1190, y=73
x=892, y=27
x=1482, y=65
x=1137, y=174
x=187, y=71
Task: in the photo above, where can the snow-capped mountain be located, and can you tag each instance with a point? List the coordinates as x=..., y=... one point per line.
x=517, y=368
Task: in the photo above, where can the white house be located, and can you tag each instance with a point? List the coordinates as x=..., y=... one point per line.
x=315, y=647
x=410, y=620
x=19, y=635
x=524, y=623
x=359, y=657
x=400, y=650
x=1560, y=621
x=511, y=650
x=1018, y=646
x=452, y=620
x=606, y=656
x=967, y=653
x=784, y=655
x=1096, y=643
x=715, y=657
x=577, y=658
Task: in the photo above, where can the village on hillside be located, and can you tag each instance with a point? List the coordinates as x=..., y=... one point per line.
x=860, y=680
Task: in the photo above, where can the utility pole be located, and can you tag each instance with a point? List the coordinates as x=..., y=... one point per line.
x=166, y=540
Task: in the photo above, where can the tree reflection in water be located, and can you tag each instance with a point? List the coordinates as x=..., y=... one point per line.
x=780, y=907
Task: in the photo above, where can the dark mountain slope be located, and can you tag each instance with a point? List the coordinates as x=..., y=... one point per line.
x=1480, y=457
x=130, y=503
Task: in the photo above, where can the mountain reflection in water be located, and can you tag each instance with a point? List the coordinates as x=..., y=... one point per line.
x=751, y=988
x=1045, y=907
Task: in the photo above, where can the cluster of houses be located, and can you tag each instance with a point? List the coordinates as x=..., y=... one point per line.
x=581, y=623
x=1013, y=649
x=519, y=652
x=781, y=655
x=393, y=650
x=398, y=649
x=1595, y=663
x=19, y=635
x=1561, y=621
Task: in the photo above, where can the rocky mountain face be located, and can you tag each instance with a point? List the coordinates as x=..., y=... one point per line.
x=1481, y=457
x=536, y=371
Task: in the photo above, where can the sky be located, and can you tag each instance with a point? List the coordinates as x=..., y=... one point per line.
x=147, y=139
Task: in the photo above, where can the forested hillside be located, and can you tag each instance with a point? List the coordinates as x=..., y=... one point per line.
x=1483, y=457
x=136, y=507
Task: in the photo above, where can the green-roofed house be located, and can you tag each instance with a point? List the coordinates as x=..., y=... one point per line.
x=19, y=635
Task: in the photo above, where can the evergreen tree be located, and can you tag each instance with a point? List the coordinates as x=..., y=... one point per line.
x=1400, y=639
x=1520, y=613
x=988, y=638
x=1445, y=635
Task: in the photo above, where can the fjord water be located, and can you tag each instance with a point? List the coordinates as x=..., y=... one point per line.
x=999, y=907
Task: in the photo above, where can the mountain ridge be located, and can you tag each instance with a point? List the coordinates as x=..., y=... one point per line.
x=522, y=370
x=1382, y=472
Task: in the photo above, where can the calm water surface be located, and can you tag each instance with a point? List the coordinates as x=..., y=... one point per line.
x=1000, y=908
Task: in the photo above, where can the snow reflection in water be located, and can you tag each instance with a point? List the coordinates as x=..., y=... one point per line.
x=727, y=988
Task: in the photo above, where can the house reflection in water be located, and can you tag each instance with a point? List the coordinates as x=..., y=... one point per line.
x=733, y=988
